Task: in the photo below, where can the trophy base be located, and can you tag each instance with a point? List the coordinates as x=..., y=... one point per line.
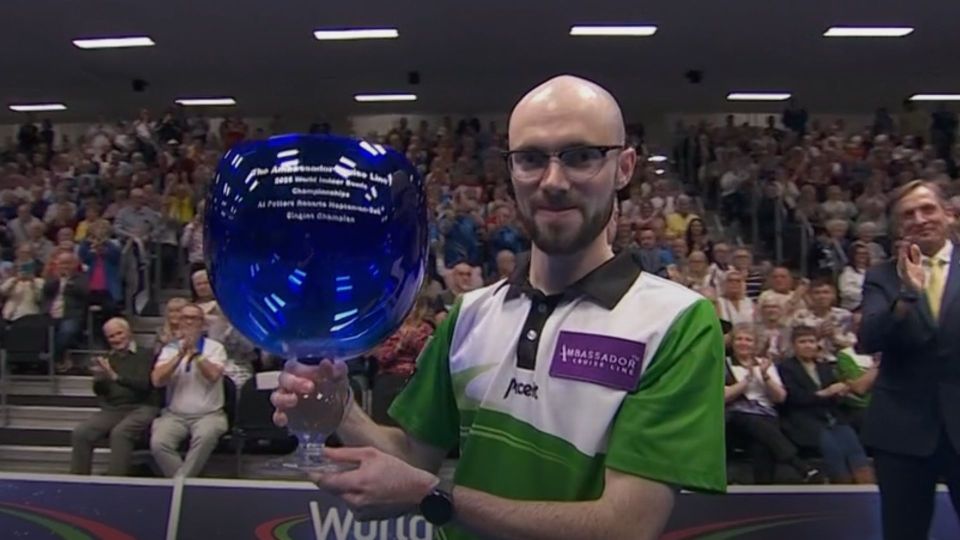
x=295, y=465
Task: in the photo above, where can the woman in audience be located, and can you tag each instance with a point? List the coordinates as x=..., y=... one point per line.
x=752, y=392
x=101, y=257
x=22, y=292
x=192, y=239
x=170, y=330
x=851, y=279
x=773, y=334
x=697, y=239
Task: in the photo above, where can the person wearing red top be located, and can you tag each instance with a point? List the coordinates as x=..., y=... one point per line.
x=397, y=358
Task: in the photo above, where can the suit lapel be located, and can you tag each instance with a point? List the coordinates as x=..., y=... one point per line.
x=952, y=289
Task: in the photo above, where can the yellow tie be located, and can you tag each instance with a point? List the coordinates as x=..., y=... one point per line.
x=935, y=284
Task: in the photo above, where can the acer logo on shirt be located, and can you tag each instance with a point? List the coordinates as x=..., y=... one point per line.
x=521, y=389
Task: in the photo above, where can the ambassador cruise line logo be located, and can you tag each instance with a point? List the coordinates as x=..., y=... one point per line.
x=605, y=360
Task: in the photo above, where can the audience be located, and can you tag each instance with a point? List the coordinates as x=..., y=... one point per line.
x=191, y=369
x=128, y=402
x=65, y=299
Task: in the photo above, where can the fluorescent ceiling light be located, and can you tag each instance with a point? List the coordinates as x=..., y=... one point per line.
x=657, y=158
x=660, y=171
x=758, y=96
x=368, y=98
x=935, y=97
x=356, y=33
x=114, y=43
x=38, y=107
x=602, y=30
x=206, y=102
x=868, y=31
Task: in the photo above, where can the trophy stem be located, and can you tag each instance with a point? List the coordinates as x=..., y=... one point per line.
x=313, y=452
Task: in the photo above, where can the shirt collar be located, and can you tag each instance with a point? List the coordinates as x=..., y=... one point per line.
x=605, y=284
x=944, y=255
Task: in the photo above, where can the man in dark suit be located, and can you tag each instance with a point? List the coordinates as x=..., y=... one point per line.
x=910, y=309
x=65, y=299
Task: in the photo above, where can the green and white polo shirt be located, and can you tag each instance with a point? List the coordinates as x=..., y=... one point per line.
x=624, y=370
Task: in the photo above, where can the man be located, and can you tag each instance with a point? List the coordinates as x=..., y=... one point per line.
x=128, y=402
x=834, y=325
x=21, y=224
x=909, y=311
x=66, y=297
x=554, y=445
x=136, y=218
x=36, y=239
x=191, y=369
x=651, y=257
x=462, y=280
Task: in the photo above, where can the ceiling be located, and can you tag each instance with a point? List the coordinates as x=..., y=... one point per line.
x=473, y=57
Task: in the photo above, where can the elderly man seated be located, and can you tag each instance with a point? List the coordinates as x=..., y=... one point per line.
x=191, y=369
x=128, y=402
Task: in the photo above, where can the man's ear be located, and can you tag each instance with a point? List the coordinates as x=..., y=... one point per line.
x=626, y=163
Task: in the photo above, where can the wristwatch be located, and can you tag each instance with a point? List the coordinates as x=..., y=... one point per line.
x=437, y=506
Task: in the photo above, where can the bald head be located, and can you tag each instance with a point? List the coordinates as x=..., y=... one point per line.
x=580, y=108
x=117, y=332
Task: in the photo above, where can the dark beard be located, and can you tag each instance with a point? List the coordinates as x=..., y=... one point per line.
x=552, y=244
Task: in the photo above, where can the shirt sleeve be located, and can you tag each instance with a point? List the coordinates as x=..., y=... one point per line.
x=427, y=407
x=671, y=430
x=167, y=354
x=214, y=352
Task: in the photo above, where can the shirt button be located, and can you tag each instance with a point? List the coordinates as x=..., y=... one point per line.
x=541, y=309
x=532, y=335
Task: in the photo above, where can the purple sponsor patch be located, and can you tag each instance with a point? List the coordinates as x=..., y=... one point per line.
x=608, y=361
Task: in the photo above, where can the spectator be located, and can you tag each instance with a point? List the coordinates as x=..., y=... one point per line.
x=22, y=293
x=651, y=257
x=773, y=334
x=752, y=393
x=461, y=233
x=860, y=372
x=795, y=117
x=506, y=263
x=191, y=370
x=697, y=238
x=192, y=240
x=754, y=279
x=461, y=281
x=91, y=214
x=678, y=221
x=782, y=292
x=128, y=402
x=64, y=244
x=832, y=324
x=101, y=256
x=136, y=219
x=851, y=279
x=699, y=276
x=65, y=299
x=61, y=208
x=835, y=207
x=734, y=305
x=169, y=332
x=812, y=414
x=866, y=233
x=21, y=224
x=397, y=359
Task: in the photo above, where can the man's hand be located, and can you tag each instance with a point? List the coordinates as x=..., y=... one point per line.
x=909, y=267
x=299, y=379
x=382, y=487
x=106, y=369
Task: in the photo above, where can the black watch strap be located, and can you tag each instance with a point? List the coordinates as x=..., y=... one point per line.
x=437, y=507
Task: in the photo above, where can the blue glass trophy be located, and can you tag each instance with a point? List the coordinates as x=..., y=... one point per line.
x=316, y=249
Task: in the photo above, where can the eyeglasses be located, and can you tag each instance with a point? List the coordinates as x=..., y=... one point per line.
x=579, y=162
